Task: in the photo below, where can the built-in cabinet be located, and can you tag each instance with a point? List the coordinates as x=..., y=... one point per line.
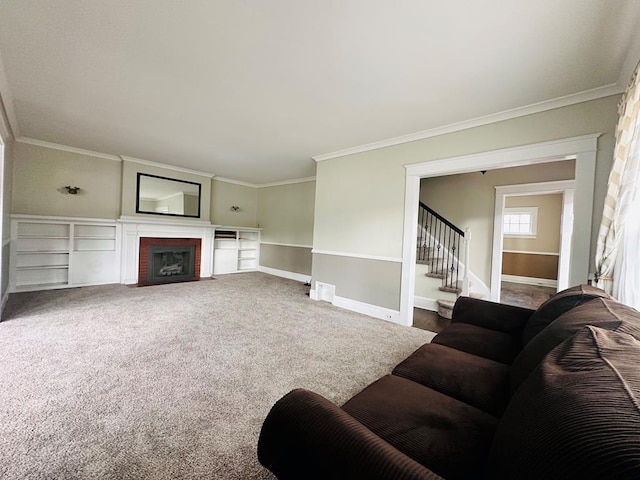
x=57, y=252
x=236, y=250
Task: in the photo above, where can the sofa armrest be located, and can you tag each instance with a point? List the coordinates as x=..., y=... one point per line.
x=492, y=315
x=307, y=436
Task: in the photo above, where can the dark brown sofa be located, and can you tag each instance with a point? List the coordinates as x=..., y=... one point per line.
x=503, y=392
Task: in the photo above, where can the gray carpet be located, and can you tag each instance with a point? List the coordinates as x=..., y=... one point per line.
x=172, y=381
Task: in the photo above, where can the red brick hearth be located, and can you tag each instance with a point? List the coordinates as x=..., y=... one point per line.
x=146, y=242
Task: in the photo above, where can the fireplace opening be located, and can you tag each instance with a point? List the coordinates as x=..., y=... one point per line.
x=171, y=264
x=168, y=260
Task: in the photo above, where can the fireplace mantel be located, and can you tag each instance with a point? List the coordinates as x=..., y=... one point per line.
x=134, y=228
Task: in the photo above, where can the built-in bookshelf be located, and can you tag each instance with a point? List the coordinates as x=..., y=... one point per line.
x=236, y=250
x=57, y=252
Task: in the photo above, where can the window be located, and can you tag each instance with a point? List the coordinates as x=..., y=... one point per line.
x=520, y=222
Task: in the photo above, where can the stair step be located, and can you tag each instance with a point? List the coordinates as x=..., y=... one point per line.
x=445, y=308
x=435, y=275
x=450, y=289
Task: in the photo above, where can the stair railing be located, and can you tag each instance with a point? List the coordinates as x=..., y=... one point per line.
x=439, y=243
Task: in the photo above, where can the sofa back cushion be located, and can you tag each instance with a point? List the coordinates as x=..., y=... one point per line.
x=577, y=415
x=607, y=314
x=560, y=303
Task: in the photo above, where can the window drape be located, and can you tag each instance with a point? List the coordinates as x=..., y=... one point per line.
x=618, y=249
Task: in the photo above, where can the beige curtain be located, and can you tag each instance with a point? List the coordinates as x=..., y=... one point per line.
x=622, y=190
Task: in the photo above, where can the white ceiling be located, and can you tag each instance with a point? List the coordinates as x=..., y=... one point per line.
x=253, y=89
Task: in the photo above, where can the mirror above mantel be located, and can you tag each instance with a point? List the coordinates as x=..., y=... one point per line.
x=157, y=195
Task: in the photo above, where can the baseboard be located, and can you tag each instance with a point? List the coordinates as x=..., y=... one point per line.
x=375, y=311
x=425, y=303
x=285, y=274
x=542, y=282
x=328, y=292
x=5, y=297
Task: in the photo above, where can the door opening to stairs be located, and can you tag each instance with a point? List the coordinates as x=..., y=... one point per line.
x=542, y=157
x=455, y=203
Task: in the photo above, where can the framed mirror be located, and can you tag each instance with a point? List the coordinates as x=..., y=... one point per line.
x=167, y=196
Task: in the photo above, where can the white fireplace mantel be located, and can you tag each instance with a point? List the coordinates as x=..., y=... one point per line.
x=134, y=228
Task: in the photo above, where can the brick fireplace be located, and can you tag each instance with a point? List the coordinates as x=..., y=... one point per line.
x=168, y=260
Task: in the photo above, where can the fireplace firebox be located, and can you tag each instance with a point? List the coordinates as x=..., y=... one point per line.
x=168, y=260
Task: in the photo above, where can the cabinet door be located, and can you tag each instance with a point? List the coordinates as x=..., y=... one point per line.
x=94, y=267
x=225, y=260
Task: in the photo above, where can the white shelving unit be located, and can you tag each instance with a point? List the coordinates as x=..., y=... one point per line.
x=58, y=252
x=236, y=250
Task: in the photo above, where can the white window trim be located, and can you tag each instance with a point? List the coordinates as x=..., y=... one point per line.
x=533, y=211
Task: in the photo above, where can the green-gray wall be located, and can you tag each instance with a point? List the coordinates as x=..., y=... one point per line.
x=7, y=176
x=360, y=198
x=285, y=213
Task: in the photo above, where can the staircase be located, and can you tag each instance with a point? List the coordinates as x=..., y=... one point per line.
x=439, y=246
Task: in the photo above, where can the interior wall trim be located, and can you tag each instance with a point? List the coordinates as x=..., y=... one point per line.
x=357, y=255
x=278, y=244
x=300, y=277
x=544, y=282
x=527, y=252
x=588, y=95
x=67, y=148
x=166, y=166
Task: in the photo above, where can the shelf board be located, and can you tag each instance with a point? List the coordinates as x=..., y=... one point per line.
x=40, y=252
x=43, y=237
x=94, y=237
x=40, y=286
x=43, y=267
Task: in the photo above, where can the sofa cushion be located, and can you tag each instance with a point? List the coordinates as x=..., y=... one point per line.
x=577, y=415
x=447, y=436
x=483, y=342
x=560, y=303
x=474, y=380
x=600, y=312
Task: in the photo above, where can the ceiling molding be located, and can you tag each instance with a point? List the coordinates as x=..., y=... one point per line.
x=166, y=166
x=7, y=103
x=236, y=182
x=562, y=149
x=287, y=182
x=587, y=95
x=266, y=185
x=67, y=148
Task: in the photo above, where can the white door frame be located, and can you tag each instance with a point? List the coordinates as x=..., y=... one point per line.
x=567, y=189
x=583, y=149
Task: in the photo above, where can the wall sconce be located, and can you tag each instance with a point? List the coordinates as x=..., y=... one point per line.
x=72, y=190
x=234, y=208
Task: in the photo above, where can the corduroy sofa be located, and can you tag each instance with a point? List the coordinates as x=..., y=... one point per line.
x=503, y=392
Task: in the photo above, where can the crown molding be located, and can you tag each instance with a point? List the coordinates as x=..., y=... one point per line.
x=166, y=166
x=266, y=185
x=587, y=95
x=6, y=104
x=67, y=148
x=236, y=182
x=287, y=182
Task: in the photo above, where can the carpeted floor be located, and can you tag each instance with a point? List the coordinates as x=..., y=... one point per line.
x=172, y=381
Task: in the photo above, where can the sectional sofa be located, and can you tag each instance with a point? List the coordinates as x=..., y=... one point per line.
x=503, y=392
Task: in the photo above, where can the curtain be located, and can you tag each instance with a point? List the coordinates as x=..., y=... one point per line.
x=617, y=265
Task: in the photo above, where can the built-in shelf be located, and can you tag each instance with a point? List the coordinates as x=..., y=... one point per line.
x=236, y=250
x=55, y=252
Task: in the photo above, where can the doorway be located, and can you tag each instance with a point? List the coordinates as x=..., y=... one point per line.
x=535, y=241
x=583, y=149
